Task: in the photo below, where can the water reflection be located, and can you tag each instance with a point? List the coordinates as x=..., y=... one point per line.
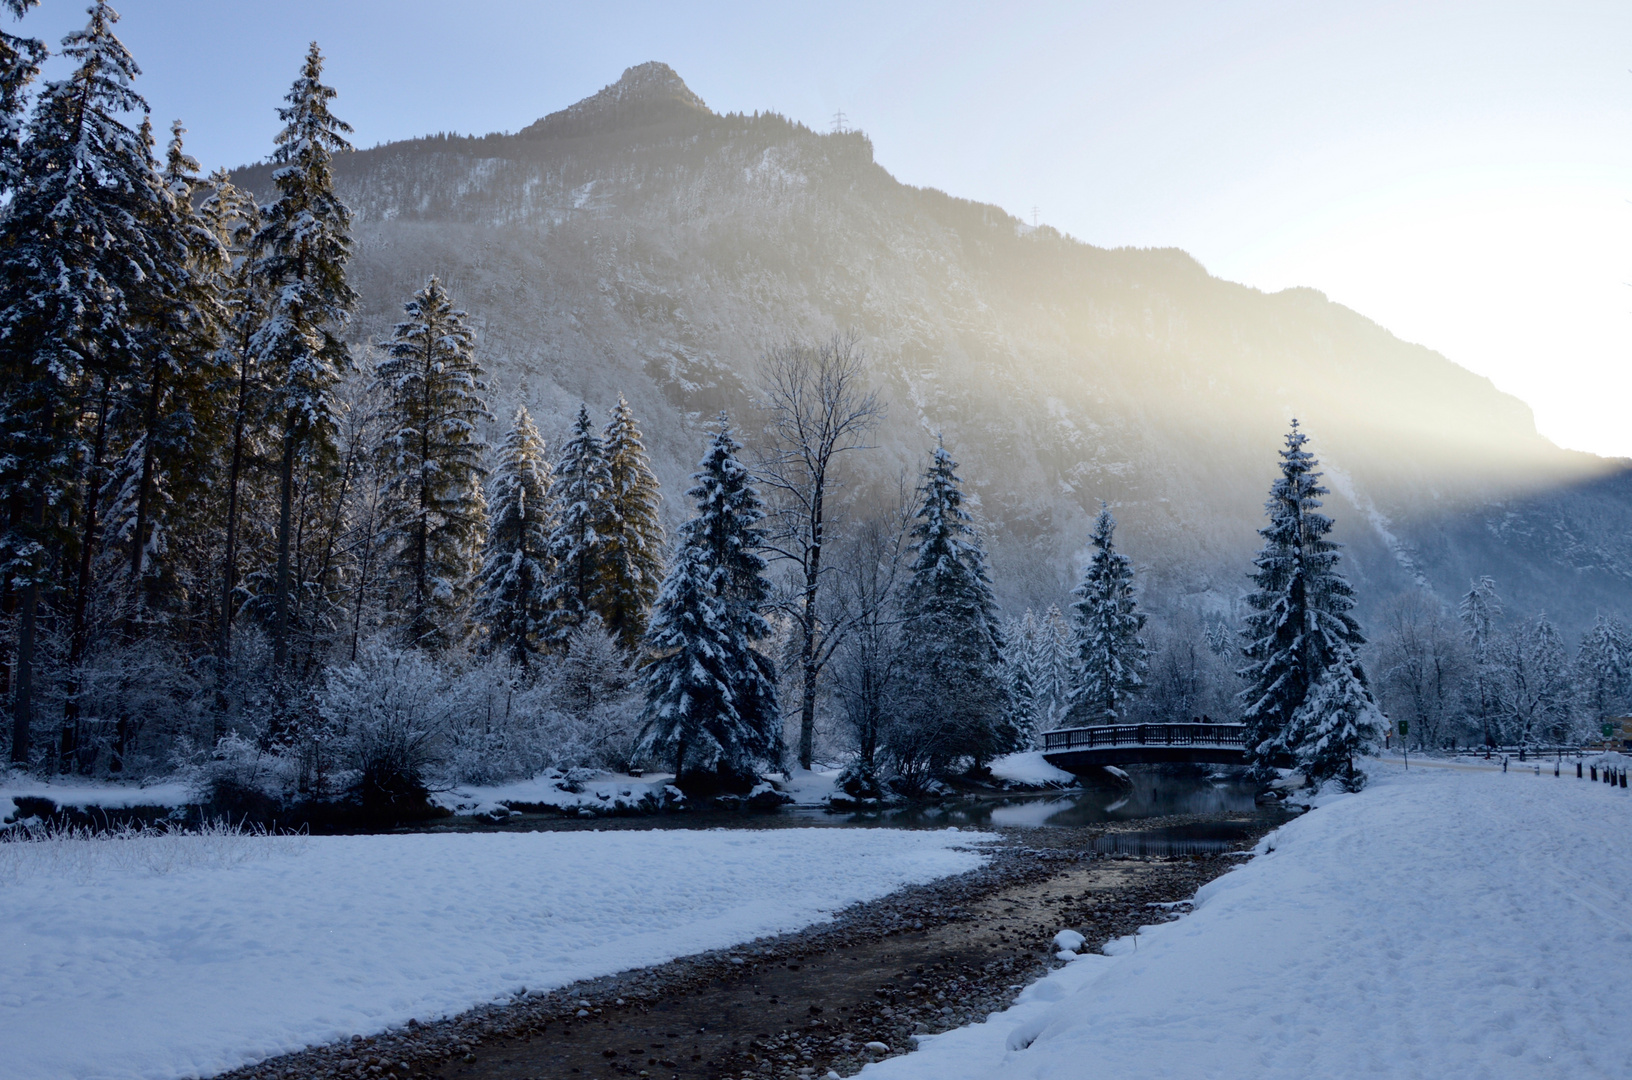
x=1153, y=794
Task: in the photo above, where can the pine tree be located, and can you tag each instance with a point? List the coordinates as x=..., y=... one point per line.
x=20, y=60
x=1479, y=611
x=436, y=516
x=175, y=407
x=1603, y=668
x=300, y=261
x=1111, y=658
x=632, y=566
x=1306, y=694
x=235, y=219
x=76, y=270
x=1056, y=656
x=510, y=589
x=578, y=509
x=951, y=641
x=710, y=695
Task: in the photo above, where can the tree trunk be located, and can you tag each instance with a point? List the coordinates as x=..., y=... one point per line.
x=229, y=561
x=286, y=507
x=144, y=485
x=809, y=667
x=22, y=712
x=78, y=638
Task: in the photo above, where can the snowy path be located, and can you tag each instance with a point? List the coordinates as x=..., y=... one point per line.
x=1442, y=924
x=112, y=971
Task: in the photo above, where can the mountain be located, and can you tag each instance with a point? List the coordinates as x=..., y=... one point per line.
x=638, y=242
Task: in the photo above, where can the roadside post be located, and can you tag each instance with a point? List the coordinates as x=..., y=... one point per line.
x=1404, y=749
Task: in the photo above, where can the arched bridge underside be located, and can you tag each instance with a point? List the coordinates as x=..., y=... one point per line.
x=1083, y=748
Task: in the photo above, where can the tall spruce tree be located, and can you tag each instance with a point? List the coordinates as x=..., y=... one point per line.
x=300, y=261
x=20, y=59
x=435, y=514
x=632, y=560
x=77, y=270
x=1111, y=659
x=711, y=704
x=952, y=644
x=1306, y=696
x=578, y=508
x=1480, y=609
x=510, y=589
x=1603, y=669
x=176, y=410
x=236, y=220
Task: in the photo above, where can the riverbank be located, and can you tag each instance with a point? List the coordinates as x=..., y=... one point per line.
x=1440, y=924
x=835, y=996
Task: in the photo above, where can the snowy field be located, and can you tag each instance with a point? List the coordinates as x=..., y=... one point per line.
x=118, y=966
x=1442, y=924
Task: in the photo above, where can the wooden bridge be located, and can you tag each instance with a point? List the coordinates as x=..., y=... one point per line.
x=1078, y=749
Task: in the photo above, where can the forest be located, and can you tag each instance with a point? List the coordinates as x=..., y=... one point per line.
x=241, y=544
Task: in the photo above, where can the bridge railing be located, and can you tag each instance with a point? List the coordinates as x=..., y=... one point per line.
x=1087, y=738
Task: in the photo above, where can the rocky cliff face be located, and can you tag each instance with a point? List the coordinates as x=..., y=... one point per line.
x=639, y=243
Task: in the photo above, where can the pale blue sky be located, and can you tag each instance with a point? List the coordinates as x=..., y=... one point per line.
x=1458, y=171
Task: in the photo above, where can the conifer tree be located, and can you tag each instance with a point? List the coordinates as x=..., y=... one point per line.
x=1307, y=695
x=176, y=410
x=235, y=219
x=20, y=59
x=1479, y=611
x=1111, y=659
x=632, y=565
x=1603, y=667
x=952, y=644
x=436, y=515
x=710, y=695
x=510, y=589
x=578, y=509
x=300, y=261
x=75, y=271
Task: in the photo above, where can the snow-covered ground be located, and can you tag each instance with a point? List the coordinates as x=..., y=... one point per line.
x=1030, y=768
x=1444, y=923
x=14, y=785
x=601, y=792
x=110, y=968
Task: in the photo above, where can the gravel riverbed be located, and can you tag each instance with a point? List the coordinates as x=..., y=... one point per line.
x=827, y=999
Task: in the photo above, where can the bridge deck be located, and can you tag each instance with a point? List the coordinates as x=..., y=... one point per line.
x=1078, y=749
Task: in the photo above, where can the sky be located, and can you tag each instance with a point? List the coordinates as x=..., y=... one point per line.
x=1459, y=172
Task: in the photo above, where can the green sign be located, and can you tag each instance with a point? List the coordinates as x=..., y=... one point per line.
x=1403, y=728
x=1608, y=729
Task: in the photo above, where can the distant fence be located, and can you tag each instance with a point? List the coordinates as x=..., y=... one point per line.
x=1088, y=738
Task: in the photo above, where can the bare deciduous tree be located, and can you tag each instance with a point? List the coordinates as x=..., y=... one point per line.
x=820, y=408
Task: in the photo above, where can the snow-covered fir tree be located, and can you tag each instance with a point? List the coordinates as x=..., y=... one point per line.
x=1480, y=610
x=1603, y=669
x=632, y=559
x=20, y=59
x=1306, y=695
x=1024, y=662
x=300, y=257
x=177, y=401
x=510, y=589
x=1111, y=658
x=78, y=274
x=577, y=545
x=952, y=644
x=431, y=452
x=711, y=705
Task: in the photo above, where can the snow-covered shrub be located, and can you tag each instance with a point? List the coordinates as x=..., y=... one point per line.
x=382, y=713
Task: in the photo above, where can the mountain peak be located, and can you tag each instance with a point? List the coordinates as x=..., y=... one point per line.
x=647, y=93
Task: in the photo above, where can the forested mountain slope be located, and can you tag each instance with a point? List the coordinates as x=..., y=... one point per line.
x=637, y=242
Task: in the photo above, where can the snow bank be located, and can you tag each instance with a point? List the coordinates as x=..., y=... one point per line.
x=605, y=791
x=132, y=973
x=1442, y=924
x=1030, y=768
x=91, y=793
